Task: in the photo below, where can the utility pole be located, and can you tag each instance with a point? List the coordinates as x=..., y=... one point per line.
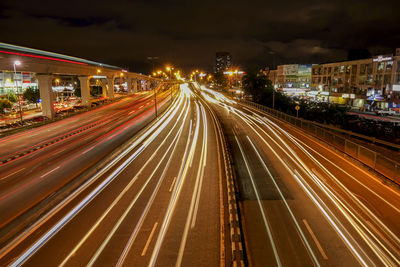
x=155, y=100
x=17, y=63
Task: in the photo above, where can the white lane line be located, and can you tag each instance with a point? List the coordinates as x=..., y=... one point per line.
x=312, y=195
x=87, y=150
x=172, y=185
x=149, y=239
x=382, y=236
x=49, y=172
x=321, y=250
x=318, y=175
x=165, y=119
x=260, y=205
x=12, y=173
x=304, y=239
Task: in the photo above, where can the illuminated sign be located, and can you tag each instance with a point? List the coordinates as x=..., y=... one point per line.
x=382, y=58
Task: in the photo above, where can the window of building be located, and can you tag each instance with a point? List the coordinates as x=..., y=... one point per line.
x=340, y=80
x=369, y=79
x=369, y=68
x=397, y=79
x=324, y=80
x=380, y=66
x=386, y=79
x=354, y=69
x=341, y=69
x=329, y=70
x=335, y=81
x=361, y=79
x=336, y=70
x=378, y=79
x=363, y=69
x=348, y=69
x=325, y=71
x=389, y=65
x=398, y=66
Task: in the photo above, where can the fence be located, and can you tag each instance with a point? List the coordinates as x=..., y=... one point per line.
x=339, y=139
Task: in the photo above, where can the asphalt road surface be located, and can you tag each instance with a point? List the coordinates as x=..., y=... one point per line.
x=303, y=203
x=156, y=203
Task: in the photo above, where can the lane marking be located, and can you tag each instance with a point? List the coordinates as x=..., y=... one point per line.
x=12, y=173
x=261, y=206
x=172, y=185
x=321, y=250
x=149, y=239
x=49, y=172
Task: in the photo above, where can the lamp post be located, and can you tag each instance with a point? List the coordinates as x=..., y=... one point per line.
x=17, y=63
x=168, y=68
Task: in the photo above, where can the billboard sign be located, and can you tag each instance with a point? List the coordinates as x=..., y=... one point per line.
x=304, y=69
x=383, y=58
x=290, y=69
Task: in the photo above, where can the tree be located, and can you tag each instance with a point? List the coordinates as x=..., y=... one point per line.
x=4, y=103
x=256, y=84
x=32, y=95
x=77, y=91
x=12, y=97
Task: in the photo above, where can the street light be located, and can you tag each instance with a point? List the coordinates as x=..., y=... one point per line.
x=17, y=63
x=168, y=68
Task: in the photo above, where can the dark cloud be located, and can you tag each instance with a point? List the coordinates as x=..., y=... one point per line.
x=188, y=34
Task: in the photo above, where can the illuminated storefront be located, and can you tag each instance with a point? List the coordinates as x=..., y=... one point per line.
x=16, y=82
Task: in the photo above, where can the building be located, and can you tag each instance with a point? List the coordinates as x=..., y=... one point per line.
x=223, y=61
x=292, y=79
x=366, y=83
x=16, y=82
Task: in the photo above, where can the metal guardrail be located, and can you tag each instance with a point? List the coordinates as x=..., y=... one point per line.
x=387, y=167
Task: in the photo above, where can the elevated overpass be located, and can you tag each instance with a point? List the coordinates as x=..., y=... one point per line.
x=47, y=65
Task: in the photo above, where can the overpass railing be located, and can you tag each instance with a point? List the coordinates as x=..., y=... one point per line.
x=339, y=139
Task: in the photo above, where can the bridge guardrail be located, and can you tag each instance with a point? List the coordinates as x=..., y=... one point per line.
x=336, y=137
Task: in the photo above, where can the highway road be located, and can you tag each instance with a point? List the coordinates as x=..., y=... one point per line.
x=302, y=202
x=157, y=202
x=65, y=149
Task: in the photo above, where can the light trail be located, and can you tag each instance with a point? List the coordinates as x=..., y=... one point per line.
x=309, y=249
x=261, y=207
x=118, y=199
x=39, y=243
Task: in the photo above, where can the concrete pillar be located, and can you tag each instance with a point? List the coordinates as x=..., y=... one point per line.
x=103, y=88
x=85, y=90
x=129, y=85
x=46, y=94
x=110, y=87
x=135, y=85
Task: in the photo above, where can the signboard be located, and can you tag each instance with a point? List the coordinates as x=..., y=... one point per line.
x=290, y=69
x=26, y=77
x=382, y=58
x=304, y=69
x=396, y=87
x=297, y=107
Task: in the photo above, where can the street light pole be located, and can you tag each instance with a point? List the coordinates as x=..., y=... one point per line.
x=17, y=63
x=155, y=100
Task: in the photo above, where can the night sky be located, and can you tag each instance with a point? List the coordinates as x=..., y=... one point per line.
x=188, y=33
